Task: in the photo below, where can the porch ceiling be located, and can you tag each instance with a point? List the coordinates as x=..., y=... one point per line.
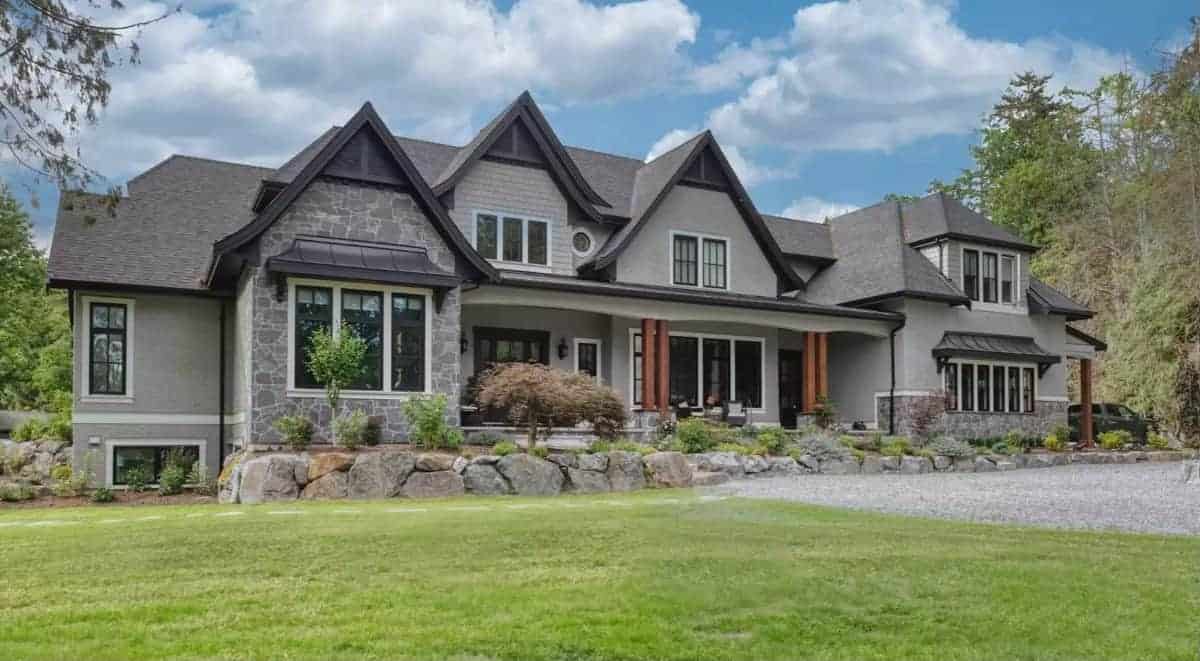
x=675, y=311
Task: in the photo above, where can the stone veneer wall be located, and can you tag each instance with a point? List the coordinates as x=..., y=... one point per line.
x=347, y=211
x=963, y=425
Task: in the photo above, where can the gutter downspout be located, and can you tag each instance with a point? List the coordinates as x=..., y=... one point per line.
x=892, y=387
x=221, y=394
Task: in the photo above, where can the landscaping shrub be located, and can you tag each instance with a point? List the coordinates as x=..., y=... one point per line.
x=1015, y=441
x=626, y=445
x=102, y=495
x=61, y=473
x=736, y=448
x=11, y=493
x=858, y=455
x=487, y=438
x=1002, y=447
x=33, y=429
x=171, y=480
x=537, y=396
x=427, y=423
x=1054, y=443
x=62, y=485
x=895, y=446
x=826, y=413
x=136, y=478
x=774, y=440
x=951, y=447
x=1115, y=439
x=541, y=452
x=297, y=430
x=925, y=452
x=335, y=361
x=1157, y=441
x=350, y=429
x=202, y=482
x=1063, y=432
x=59, y=427
x=698, y=435
x=504, y=448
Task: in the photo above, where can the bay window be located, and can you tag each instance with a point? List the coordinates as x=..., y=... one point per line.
x=951, y=386
x=394, y=322
x=988, y=387
x=512, y=238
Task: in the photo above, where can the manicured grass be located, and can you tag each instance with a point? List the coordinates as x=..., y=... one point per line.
x=642, y=579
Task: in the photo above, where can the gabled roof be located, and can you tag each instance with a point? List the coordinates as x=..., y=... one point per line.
x=366, y=119
x=562, y=166
x=159, y=236
x=655, y=180
x=1048, y=300
x=800, y=238
x=875, y=263
x=939, y=216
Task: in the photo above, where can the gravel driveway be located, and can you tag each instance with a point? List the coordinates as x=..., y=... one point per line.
x=1135, y=497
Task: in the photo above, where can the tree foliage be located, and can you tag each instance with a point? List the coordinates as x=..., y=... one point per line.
x=537, y=396
x=335, y=360
x=55, y=61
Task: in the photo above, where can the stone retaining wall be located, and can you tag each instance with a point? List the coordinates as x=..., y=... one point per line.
x=30, y=463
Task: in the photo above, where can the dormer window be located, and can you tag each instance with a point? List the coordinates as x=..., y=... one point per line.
x=512, y=239
x=990, y=277
x=699, y=261
x=1008, y=274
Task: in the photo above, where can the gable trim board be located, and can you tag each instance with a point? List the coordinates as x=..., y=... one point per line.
x=365, y=118
x=972, y=238
x=758, y=229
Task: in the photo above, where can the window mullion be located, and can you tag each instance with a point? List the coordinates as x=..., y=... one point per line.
x=388, y=338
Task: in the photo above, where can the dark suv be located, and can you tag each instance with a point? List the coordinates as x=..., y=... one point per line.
x=1108, y=417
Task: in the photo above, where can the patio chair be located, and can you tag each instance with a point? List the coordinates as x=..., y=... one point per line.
x=736, y=414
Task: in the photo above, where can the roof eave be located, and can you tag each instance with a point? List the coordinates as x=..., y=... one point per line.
x=957, y=236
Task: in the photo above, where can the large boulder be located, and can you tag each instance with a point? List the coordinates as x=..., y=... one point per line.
x=890, y=464
x=587, y=481
x=330, y=486
x=593, y=462
x=941, y=462
x=429, y=462
x=530, y=476
x=321, y=464
x=668, y=469
x=433, y=484
x=720, y=462
x=564, y=459
x=484, y=480
x=626, y=471
x=783, y=466
x=754, y=464
x=872, y=464
x=840, y=467
x=915, y=465
x=271, y=478
x=964, y=464
x=380, y=474
x=707, y=479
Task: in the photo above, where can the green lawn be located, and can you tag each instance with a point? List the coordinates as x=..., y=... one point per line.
x=734, y=579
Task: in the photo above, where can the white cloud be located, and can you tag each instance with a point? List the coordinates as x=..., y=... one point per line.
x=749, y=172
x=670, y=140
x=814, y=209
x=878, y=74
x=258, y=79
x=735, y=64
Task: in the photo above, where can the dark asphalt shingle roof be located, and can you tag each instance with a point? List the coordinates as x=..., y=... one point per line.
x=873, y=261
x=938, y=215
x=987, y=345
x=162, y=233
x=1047, y=299
x=801, y=238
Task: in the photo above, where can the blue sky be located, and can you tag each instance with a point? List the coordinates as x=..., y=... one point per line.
x=821, y=106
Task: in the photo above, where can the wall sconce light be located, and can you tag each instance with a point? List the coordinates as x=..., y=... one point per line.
x=562, y=348
x=463, y=343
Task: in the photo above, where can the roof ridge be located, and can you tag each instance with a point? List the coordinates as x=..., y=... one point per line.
x=674, y=149
x=605, y=153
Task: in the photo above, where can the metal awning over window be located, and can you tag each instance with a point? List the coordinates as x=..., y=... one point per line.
x=367, y=261
x=986, y=346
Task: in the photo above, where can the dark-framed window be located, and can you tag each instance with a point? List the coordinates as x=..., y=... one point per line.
x=408, y=343
x=968, y=388
x=1008, y=276
x=512, y=238
x=685, y=261
x=989, y=277
x=1014, y=389
x=998, y=388
x=510, y=345
x=109, y=353
x=715, y=275
x=513, y=248
x=151, y=458
x=685, y=384
x=637, y=369
x=1027, y=386
x=747, y=361
x=363, y=312
x=314, y=312
x=539, y=242
x=486, y=236
x=971, y=274
x=983, y=387
x=716, y=358
x=587, y=358
x=951, y=386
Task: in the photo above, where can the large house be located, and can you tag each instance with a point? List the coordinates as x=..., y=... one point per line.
x=193, y=298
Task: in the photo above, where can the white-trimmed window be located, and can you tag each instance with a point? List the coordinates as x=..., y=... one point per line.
x=396, y=323
x=587, y=357
x=512, y=239
x=148, y=457
x=108, y=348
x=698, y=260
x=990, y=387
x=706, y=367
x=991, y=277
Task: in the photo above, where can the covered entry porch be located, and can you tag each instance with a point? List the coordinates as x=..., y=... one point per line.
x=668, y=352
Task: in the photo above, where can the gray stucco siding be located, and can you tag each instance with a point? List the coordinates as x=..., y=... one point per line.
x=859, y=367
x=350, y=211
x=647, y=259
x=99, y=439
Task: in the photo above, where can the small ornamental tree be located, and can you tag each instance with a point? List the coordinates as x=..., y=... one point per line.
x=535, y=396
x=335, y=360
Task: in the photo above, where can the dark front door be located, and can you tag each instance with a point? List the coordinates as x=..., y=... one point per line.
x=508, y=345
x=790, y=393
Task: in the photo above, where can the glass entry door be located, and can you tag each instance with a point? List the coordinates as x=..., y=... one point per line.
x=791, y=378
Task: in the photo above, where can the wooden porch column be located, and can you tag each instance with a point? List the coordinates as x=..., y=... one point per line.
x=649, y=365
x=663, y=376
x=809, y=361
x=1086, y=430
x=822, y=365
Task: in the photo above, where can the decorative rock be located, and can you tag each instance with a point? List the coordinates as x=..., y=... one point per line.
x=430, y=462
x=231, y=485
x=334, y=484
x=809, y=463
x=587, y=481
x=964, y=464
x=460, y=464
x=321, y=464
x=783, y=466
x=941, y=462
x=915, y=465
x=1006, y=465
x=872, y=465
x=489, y=459
x=564, y=459
x=670, y=469
x=890, y=464
x=984, y=465
x=270, y=478
x=530, y=476
x=625, y=471
x=721, y=462
x=754, y=464
x=593, y=462
x=707, y=479
x=433, y=484
x=380, y=474
x=484, y=480
x=840, y=467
